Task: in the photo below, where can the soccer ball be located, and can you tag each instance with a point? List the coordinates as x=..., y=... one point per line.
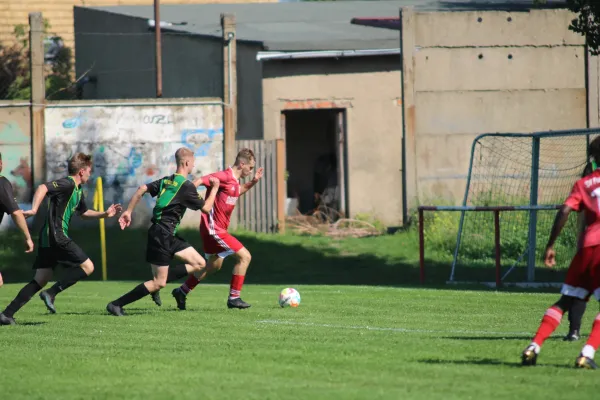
x=289, y=297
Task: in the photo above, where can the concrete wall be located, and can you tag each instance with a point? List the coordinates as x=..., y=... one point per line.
x=15, y=146
x=369, y=88
x=133, y=144
x=485, y=72
x=593, y=91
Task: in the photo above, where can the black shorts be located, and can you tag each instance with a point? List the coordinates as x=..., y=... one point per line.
x=162, y=246
x=69, y=254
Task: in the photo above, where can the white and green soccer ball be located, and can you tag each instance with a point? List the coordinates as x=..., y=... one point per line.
x=289, y=297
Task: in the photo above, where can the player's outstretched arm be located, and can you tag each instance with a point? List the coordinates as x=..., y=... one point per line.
x=210, y=200
x=135, y=199
x=199, y=181
x=249, y=185
x=110, y=212
x=125, y=219
x=205, y=180
x=38, y=197
x=19, y=220
x=562, y=216
x=9, y=204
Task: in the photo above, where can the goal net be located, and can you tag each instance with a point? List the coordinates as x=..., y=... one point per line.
x=516, y=170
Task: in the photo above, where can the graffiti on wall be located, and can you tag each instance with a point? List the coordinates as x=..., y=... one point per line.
x=15, y=146
x=133, y=145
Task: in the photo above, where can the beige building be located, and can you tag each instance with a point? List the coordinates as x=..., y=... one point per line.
x=326, y=78
x=305, y=74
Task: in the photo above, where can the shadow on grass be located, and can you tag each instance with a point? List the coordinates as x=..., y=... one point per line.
x=36, y=323
x=91, y=313
x=390, y=260
x=488, y=362
x=492, y=338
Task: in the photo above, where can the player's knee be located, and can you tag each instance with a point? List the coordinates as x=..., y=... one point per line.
x=214, y=267
x=1, y=281
x=87, y=266
x=43, y=276
x=245, y=257
x=198, y=264
x=160, y=283
x=42, y=281
x=214, y=264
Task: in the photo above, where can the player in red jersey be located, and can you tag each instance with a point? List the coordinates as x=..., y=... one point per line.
x=583, y=276
x=218, y=243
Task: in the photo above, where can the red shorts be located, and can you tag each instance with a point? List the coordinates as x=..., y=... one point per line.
x=219, y=243
x=583, y=276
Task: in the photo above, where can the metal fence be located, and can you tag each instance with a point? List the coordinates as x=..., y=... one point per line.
x=257, y=209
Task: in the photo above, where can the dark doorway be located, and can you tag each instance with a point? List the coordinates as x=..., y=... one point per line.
x=315, y=159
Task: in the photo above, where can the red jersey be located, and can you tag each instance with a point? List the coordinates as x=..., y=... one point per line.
x=217, y=221
x=585, y=196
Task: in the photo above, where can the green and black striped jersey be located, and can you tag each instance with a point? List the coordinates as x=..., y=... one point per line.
x=64, y=199
x=174, y=194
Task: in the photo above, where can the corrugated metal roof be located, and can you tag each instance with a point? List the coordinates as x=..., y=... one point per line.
x=304, y=26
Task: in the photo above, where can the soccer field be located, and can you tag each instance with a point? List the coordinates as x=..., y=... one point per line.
x=343, y=342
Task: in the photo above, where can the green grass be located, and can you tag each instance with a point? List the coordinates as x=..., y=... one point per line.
x=389, y=260
x=366, y=329
x=343, y=342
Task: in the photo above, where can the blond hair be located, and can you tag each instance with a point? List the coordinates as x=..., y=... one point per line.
x=244, y=156
x=182, y=154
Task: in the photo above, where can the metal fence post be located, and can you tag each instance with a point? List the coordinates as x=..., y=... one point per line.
x=533, y=200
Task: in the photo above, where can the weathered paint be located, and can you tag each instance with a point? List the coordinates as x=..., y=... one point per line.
x=133, y=145
x=15, y=146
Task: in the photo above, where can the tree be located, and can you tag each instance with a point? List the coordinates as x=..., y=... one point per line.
x=15, y=77
x=587, y=22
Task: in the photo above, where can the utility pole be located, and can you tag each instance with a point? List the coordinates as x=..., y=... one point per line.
x=229, y=87
x=158, y=48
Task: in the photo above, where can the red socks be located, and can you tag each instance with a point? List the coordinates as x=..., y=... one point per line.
x=237, y=281
x=190, y=284
x=550, y=322
x=594, y=339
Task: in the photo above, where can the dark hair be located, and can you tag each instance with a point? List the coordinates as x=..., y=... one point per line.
x=79, y=161
x=594, y=149
x=587, y=170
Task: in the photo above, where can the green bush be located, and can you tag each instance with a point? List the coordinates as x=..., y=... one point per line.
x=478, y=236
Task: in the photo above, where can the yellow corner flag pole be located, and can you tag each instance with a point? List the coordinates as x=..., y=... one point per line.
x=99, y=206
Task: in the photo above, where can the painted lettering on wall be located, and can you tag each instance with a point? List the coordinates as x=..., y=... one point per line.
x=133, y=145
x=160, y=119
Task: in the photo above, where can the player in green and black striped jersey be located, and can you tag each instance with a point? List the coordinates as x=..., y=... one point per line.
x=174, y=195
x=65, y=198
x=8, y=205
